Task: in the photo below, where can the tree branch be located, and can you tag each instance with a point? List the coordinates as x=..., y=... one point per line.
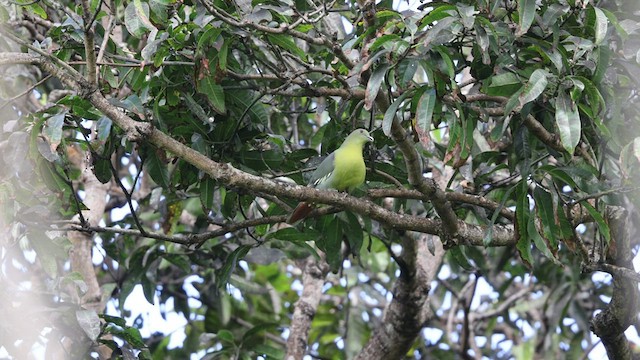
x=408, y=311
x=622, y=311
x=89, y=43
x=305, y=308
x=451, y=196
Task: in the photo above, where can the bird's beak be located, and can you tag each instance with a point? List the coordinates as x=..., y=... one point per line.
x=370, y=139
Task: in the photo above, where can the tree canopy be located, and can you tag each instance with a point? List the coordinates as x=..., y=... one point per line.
x=161, y=145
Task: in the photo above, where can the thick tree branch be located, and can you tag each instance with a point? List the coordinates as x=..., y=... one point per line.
x=81, y=256
x=451, y=196
x=622, y=311
x=408, y=311
x=305, y=308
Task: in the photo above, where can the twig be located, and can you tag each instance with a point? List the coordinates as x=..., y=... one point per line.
x=503, y=306
x=106, y=229
x=30, y=89
x=105, y=40
x=89, y=42
x=283, y=29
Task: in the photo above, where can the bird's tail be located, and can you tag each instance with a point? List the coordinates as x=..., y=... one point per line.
x=300, y=212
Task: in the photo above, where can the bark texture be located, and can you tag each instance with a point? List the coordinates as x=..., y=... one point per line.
x=622, y=311
x=409, y=310
x=305, y=309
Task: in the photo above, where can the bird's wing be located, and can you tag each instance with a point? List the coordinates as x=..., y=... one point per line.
x=323, y=172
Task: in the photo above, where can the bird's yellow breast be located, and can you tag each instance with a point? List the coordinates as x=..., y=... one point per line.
x=349, y=169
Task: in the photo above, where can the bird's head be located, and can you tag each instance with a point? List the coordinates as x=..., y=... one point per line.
x=359, y=136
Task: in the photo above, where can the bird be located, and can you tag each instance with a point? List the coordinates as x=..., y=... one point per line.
x=342, y=170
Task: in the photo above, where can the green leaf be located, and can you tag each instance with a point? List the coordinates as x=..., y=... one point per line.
x=331, y=241
x=4, y=15
x=294, y=235
x=353, y=233
x=568, y=122
x=488, y=237
x=441, y=32
x=382, y=40
x=103, y=128
x=223, y=54
x=89, y=322
x=373, y=86
x=179, y=260
x=226, y=336
x=525, y=350
x=391, y=112
x=148, y=288
x=513, y=101
x=504, y=84
x=448, y=62
x=535, y=86
x=459, y=256
x=102, y=169
x=600, y=26
x=246, y=100
x=37, y=9
x=209, y=36
x=48, y=253
x=207, y=190
x=424, y=115
x=441, y=11
x=214, y=92
x=406, y=70
x=546, y=214
x=526, y=14
x=559, y=174
x=257, y=329
x=136, y=18
x=159, y=9
x=230, y=263
x=539, y=242
x=229, y=204
x=286, y=42
x=156, y=166
x=114, y=320
x=593, y=96
x=553, y=13
x=53, y=130
x=271, y=352
x=133, y=337
x=522, y=222
x=597, y=217
x=612, y=18
x=564, y=226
